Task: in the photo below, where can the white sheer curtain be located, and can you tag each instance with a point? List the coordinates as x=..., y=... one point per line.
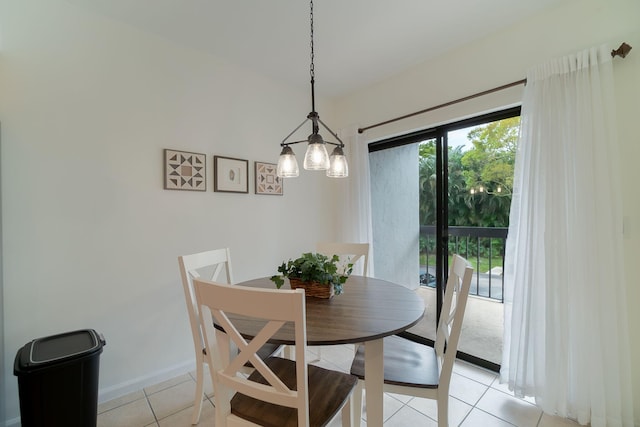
x=356, y=204
x=566, y=333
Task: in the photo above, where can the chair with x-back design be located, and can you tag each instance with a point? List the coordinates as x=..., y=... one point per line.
x=280, y=392
x=416, y=369
x=212, y=264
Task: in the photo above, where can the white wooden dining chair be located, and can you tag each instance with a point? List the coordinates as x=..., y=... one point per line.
x=280, y=392
x=416, y=369
x=212, y=264
x=354, y=252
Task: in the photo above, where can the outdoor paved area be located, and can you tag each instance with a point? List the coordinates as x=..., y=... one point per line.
x=481, y=330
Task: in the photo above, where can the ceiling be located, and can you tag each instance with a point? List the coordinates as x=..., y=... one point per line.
x=356, y=42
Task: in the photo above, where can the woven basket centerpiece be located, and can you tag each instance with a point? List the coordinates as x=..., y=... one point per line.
x=313, y=289
x=319, y=275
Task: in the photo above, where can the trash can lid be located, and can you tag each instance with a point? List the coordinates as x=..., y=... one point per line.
x=57, y=349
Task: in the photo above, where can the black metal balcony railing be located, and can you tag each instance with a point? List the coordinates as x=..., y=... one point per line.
x=482, y=246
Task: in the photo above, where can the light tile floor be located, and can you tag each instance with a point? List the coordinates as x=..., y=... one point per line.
x=476, y=400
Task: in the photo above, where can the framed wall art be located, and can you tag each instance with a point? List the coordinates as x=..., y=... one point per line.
x=185, y=171
x=230, y=175
x=267, y=181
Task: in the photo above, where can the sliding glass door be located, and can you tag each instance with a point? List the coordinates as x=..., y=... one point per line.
x=480, y=164
x=443, y=191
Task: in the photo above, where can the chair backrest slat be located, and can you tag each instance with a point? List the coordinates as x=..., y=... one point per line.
x=452, y=314
x=190, y=267
x=354, y=252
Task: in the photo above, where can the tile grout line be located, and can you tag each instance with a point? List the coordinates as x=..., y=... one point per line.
x=467, y=376
x=146, y=396
x=495, y=416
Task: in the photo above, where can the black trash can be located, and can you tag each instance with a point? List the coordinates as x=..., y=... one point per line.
x=58, y=379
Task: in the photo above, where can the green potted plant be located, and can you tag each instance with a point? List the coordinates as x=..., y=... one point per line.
x=321, y=276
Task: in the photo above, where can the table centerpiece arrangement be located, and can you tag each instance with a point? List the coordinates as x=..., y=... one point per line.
x=319, y=275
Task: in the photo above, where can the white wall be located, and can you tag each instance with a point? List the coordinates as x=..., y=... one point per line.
x=90, y=237
x=503, y=58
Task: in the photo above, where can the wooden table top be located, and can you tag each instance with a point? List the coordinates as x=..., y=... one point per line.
x=368, y=309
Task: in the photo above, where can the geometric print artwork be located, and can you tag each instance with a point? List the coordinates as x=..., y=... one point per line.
x=184, y=171
x=267, y=180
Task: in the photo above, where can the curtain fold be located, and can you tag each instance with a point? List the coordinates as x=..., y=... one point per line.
x=356, y=203
x=566, y=332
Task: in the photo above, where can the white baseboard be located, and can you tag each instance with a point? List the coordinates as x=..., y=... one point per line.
x=109, y=393
x=112, y=392
x=135, y=384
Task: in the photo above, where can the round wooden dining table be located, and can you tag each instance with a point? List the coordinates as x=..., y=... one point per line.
x=368, y=310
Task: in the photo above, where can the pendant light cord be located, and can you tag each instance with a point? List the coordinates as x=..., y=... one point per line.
x=312, y=72
x=311, y=68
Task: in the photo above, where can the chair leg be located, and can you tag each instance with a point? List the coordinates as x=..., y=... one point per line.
x=197, y=405
x=443, y=411
x=356, y=405
x=348, y=413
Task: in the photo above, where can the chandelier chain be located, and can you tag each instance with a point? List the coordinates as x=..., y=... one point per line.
x=311, y=67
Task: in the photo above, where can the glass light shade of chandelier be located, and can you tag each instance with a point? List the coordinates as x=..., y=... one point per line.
x=287, y=164
x=338, y=167
x=316, y=158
